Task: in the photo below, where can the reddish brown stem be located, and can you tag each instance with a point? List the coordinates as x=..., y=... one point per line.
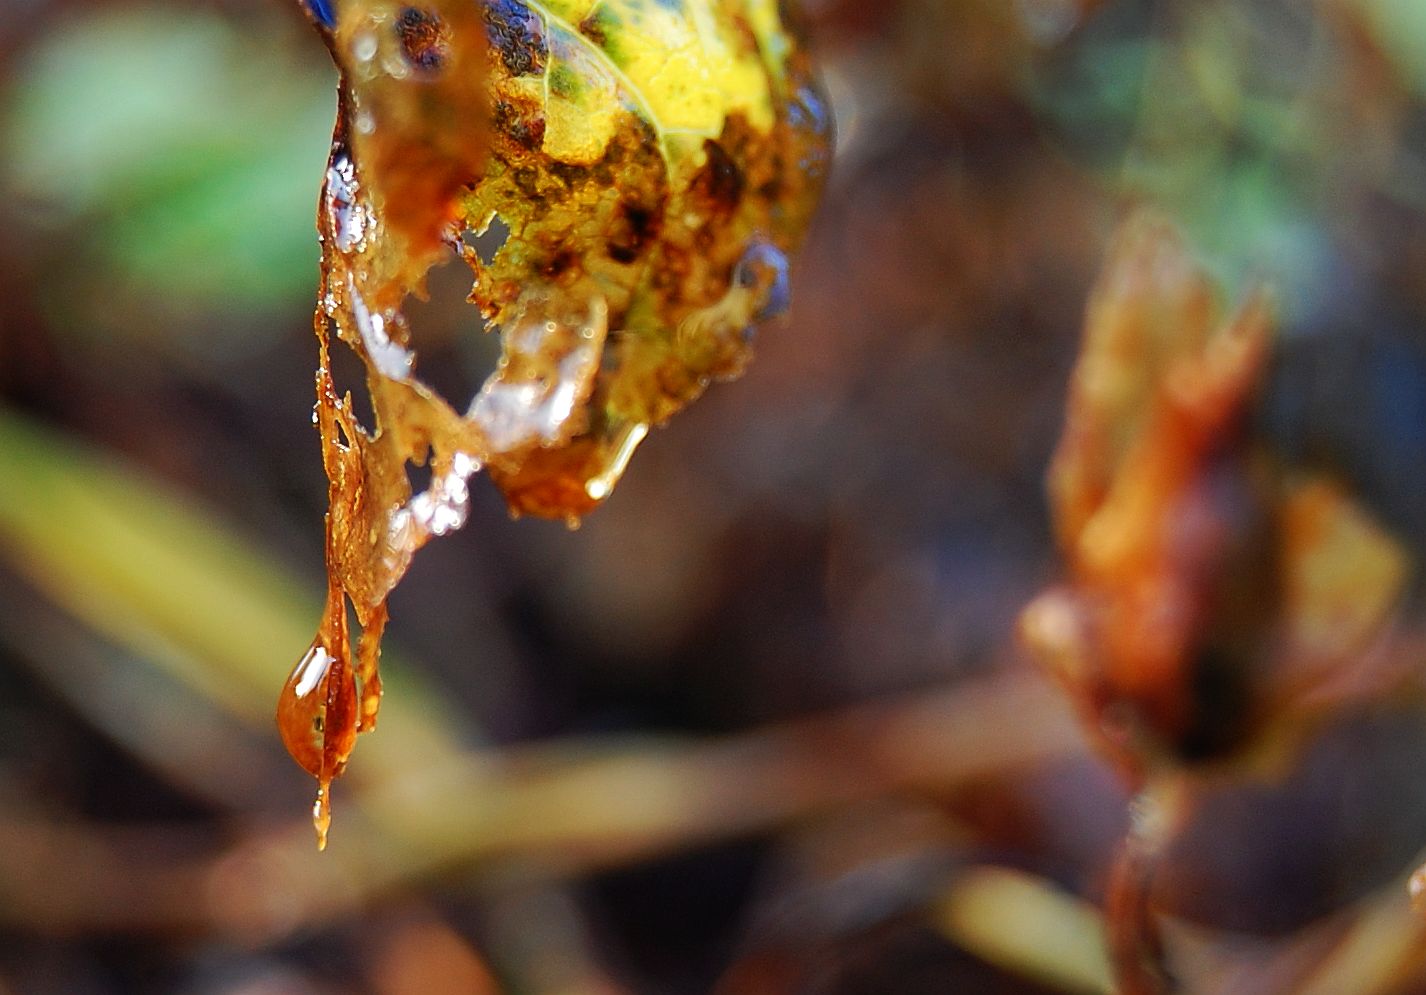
x=1136, y=946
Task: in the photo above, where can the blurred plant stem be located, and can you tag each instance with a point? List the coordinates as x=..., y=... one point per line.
x=1136, y=946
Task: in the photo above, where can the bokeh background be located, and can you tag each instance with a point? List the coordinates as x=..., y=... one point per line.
x=762, y=724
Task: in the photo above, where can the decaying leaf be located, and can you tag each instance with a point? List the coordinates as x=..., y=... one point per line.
x=1212, y=591
x=655, y=164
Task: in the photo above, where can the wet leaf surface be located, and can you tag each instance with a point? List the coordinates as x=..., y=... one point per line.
x=655, y=165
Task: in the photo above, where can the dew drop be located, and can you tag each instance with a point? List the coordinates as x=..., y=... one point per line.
x=317, y=712
x=365, y=47
x=322, y=813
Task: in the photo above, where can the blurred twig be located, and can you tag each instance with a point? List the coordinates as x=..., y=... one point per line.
x=559, y=808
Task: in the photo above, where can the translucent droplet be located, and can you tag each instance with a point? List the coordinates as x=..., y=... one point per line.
x=322, y=813
x=546, y=372
x=317, y=711
x=601, y=486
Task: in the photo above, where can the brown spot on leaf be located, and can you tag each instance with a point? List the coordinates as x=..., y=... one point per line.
x=518, y=35
x=560, y=263
x=424, y=40
x=720, y=180
x=640, y=226
x=526, y=130
x=592, y=29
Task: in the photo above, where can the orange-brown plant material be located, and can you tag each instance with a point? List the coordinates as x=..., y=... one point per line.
x=1216, y=601
x=656, y=166
x=1211, y=591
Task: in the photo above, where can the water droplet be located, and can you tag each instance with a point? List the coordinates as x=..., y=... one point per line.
x=317, y=710
x=364, y=48
x=546, y=372
x=391, y=359
x=322, y=813
x=599, y=487
x=346, y=207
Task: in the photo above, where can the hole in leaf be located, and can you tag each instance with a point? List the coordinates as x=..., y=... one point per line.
x=349, y=375
x=418, y=475
x=453, y=353
x=486, y=245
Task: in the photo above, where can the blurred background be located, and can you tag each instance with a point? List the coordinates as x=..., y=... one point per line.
x=762, y=724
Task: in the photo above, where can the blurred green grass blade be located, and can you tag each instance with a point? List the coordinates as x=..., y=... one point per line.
x=189, y=149
x=151, y=572
x=191, y=743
